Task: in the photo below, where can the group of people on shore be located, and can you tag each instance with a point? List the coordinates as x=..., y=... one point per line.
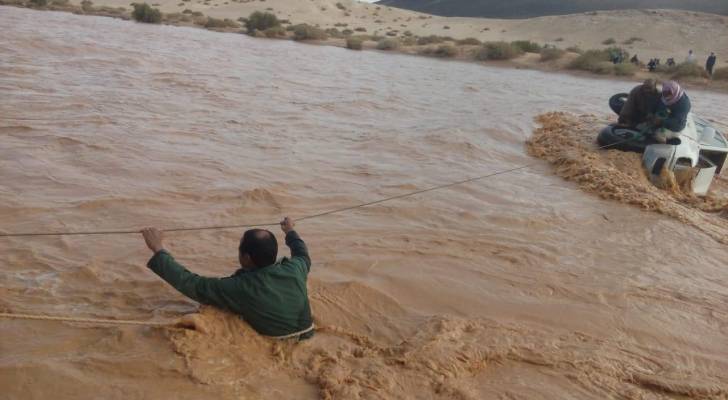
x=690, y=59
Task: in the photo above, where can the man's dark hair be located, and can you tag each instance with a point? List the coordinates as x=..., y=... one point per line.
x=261, y=245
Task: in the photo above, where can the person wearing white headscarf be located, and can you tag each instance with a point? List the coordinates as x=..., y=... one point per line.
x=674, y=107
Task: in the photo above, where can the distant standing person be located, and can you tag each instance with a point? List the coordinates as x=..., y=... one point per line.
x=710, y=63
x=691, y=57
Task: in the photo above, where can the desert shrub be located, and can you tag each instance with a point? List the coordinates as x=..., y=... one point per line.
x=341, y=25
x=633, y=40
x=688, y=70
x=443, y=50
x=145, y=13
x=261, y=21
x=575, y=49
x=340, y=6
x=559, y=39
x=308, y=32
x=551, y=53
x=354, y=43
x=38, y=3
x=407, y=33
x=360, y=29
x=609, y=42
x=221, y=23
x=432, y=39
x=721, y=74
x=333, y=32
x=593, y=60
x=347, y=32
x=187, y=11
x=87, y=6
x=408, y=41
x=498, y=51
x=590, y=60
x=469, y=42
x=527, y=46
x=625, y=69
x=388, y=44
x=274, y=31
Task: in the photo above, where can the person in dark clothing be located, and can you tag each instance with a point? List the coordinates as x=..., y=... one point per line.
x=652, y=65
x=634, y=60
x=673, y=109
x=271, y=296
x=710, y=63
x=640, y=105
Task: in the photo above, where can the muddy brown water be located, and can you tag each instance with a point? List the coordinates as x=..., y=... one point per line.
x=523, y=286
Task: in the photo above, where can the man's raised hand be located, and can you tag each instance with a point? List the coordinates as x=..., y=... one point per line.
x=287, y=225
x=153, y=237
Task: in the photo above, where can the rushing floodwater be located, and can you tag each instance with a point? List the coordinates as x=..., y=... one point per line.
x=520, y=286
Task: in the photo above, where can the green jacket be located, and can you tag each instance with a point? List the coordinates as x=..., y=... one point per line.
x=272, y=299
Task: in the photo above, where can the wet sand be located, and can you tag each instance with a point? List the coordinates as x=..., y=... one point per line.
x=522, y=286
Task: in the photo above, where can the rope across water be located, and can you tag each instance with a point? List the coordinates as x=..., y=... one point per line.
x=220, y=227
x=307, y=217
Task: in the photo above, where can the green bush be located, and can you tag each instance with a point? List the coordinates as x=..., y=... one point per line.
x=261, y=21
x=308, y=32
x=354, y=43
x=145, y=13
x=469, y=42
x=275, y=31
x=598, y=61
x=625, y=69
x=408, y=41
x=609, y=42
x=688, y=70
x=591, y=60
x=335, y=33
x=498, y=51
x=551, y=53
x=221, y=23
x=527, y=46
x=432, y=39
x=443, y=50
x=388, y=44
x=721, y=74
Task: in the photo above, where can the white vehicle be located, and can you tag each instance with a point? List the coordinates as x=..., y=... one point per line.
x=699, y=149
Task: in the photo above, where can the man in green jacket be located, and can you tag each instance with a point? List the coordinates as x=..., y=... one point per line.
x=271, y=296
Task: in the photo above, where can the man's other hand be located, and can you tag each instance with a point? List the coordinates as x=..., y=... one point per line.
x=153, y=237
x=287, y=225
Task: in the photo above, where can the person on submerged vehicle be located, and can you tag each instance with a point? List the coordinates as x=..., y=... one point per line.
x=641, y=104
x=672, y=111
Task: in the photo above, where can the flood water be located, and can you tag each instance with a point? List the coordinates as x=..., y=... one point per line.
x=521, y=286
